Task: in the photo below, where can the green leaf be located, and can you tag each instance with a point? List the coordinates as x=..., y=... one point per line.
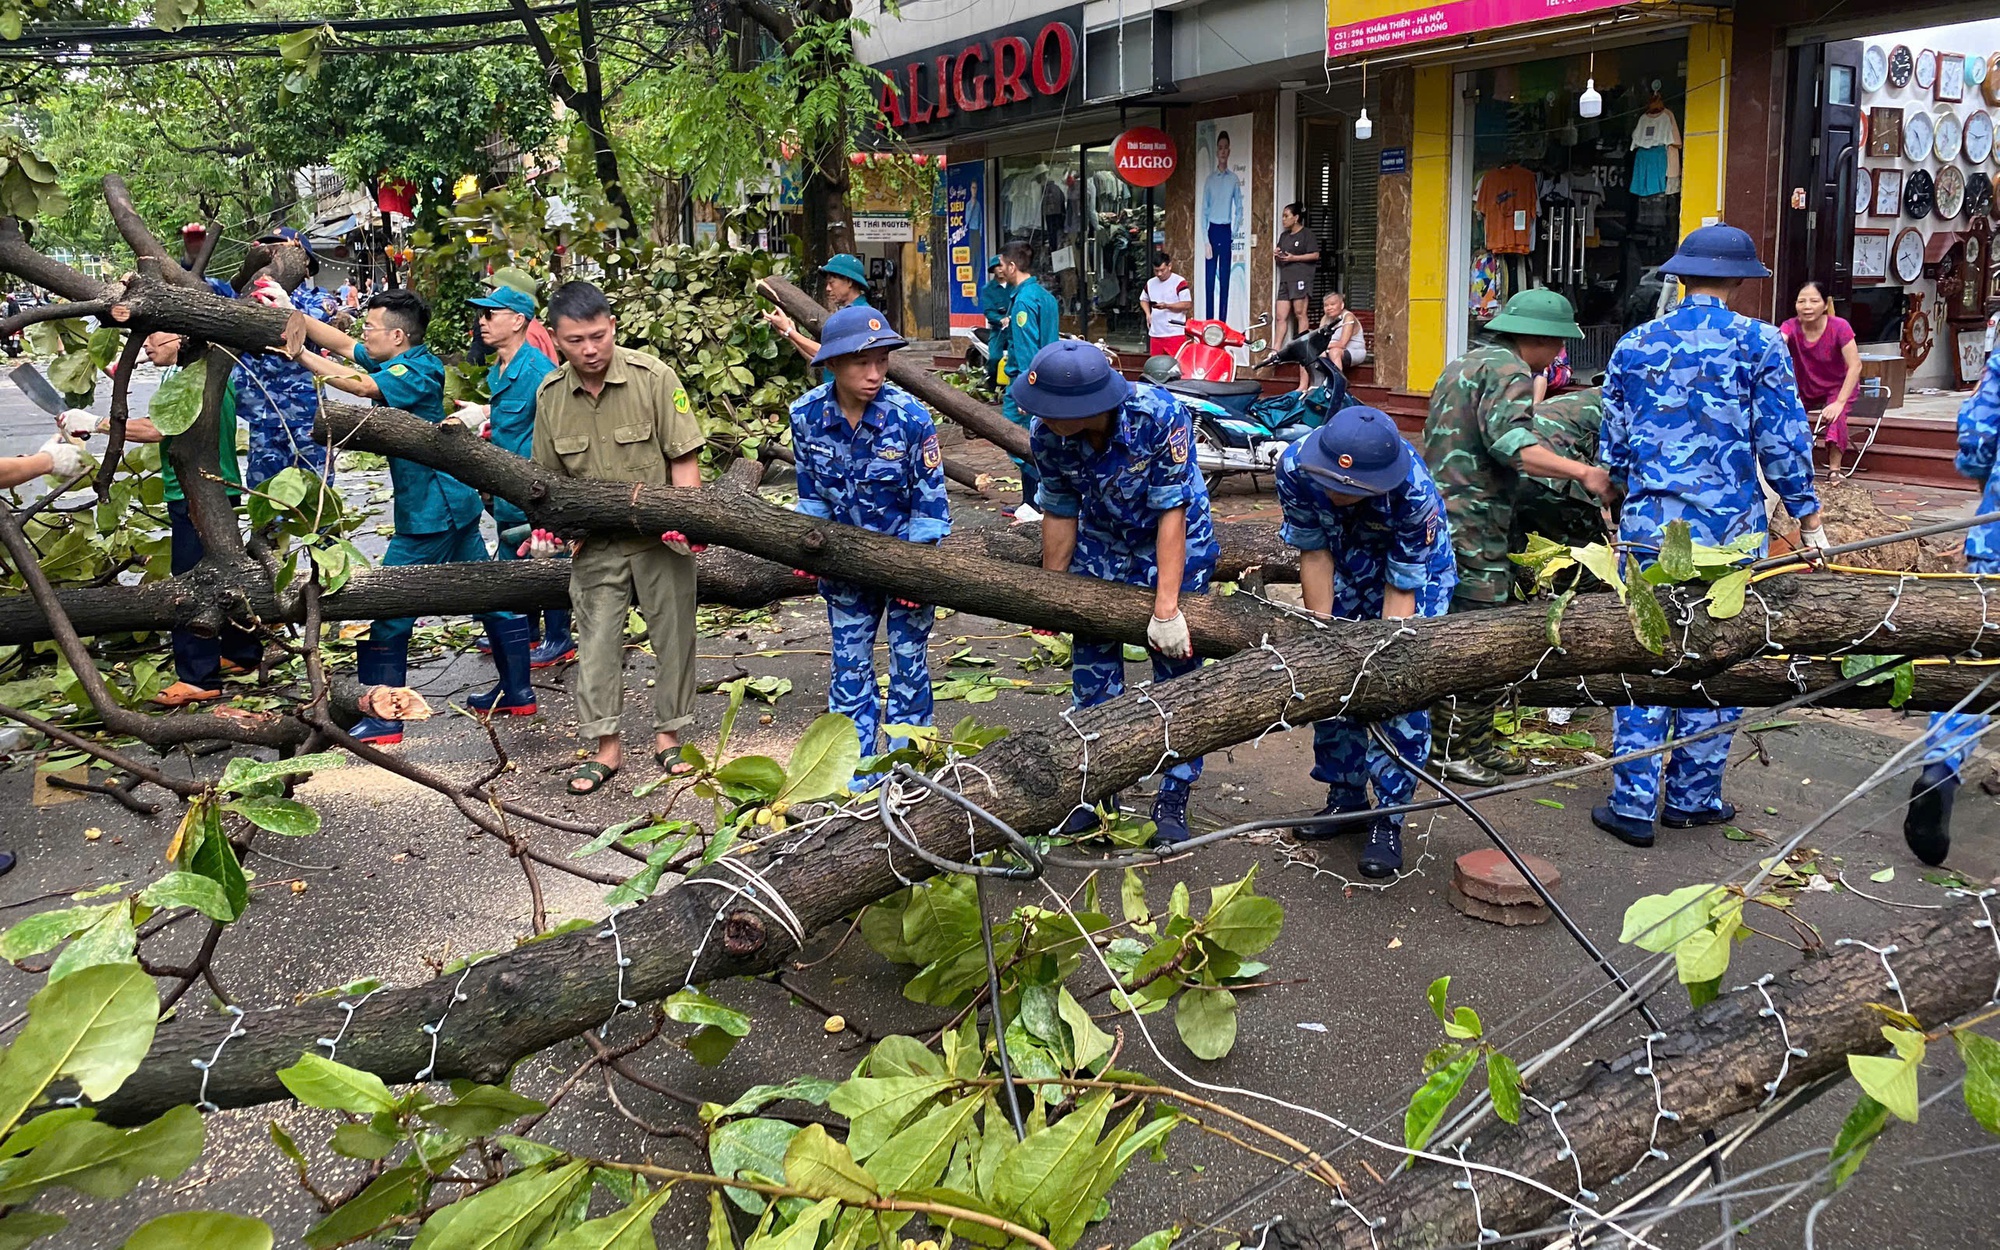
x=760, y=773
x=1206, y=1020
x=1503, y=1081
x=283, y=1141
x=215, y=859
x=1657, y=921
x=1887, y=874
x=363, y=1141
x=1550, y=803
x=201, y=1230
x=187, y=889
x=628, y=1228
x=1464, y=1025
x=1889, y=1081
x=1981, y=1055
x=1702, y=956
x=1863, y=1125
x=820, y=1167
x=398, y=1191
x=482, y=1111
x=1677, y=552
x=241, y=772
x=719, y=1235
x=691, y=1006
x=1239, y=921
x=756, y=1146
x=899, y=1055
x=46, y=930
x=94, y=1027
x=72, y=373
x=1725, y=595
x=1087, y=1042
x=876, y=1107
x=1429, y=1104
x=1602, y=561
x=810, y=1089
x=824, y=761
x=941, y=918
x=177, y=402
x=1035, y=1171
x=41, y=1128
x=112, y=940
x=803, y=1233
x=320, y=1082
x=916, y=1157
x=1132, y=897
x=1649, y=619
x=710, y=1045
x=105, y=1162
x=19, y=1228
x=1160, y=1240
x=286, y=817
x=507, y=1215
x=1437, y=996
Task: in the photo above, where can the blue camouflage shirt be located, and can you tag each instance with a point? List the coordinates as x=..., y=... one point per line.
x=313, y=301
x=1978, y=441
x=427, y=501
x=885, y=474
x=278, y=399
x=1404, y=529
x=1694, y=403
x=1118, y=495
x=512, y=390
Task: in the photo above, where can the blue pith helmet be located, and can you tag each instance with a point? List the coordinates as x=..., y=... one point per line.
x=1358, y=451
x=508, y=298
x=849, y=266
x=1716, y=252
x=857, y=328
x=1069, y=380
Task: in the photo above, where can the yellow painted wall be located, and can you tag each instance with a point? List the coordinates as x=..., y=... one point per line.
x=1430, y=226
x=1705, y=129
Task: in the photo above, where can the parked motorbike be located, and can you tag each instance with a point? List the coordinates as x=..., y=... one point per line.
x=1237, y=430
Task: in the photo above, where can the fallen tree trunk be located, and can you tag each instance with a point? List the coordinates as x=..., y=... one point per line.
x=1759, y=683
x=521, y=1002
x=1719, y=1063
x=980, y=419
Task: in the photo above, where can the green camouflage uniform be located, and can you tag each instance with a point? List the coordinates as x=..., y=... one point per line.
x=1482, y=416
x=1555, y=508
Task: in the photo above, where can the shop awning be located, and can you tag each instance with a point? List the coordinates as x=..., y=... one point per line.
x=338, y=230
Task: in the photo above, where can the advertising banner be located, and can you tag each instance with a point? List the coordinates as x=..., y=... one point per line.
x=1361, y=27
x=1223, y=195
x=965, y=241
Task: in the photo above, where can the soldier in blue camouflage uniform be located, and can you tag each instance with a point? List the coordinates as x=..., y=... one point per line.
x=1694, y=403
x=1369, y=524
x=867, y=455
x=276, y=397
x=1123, y=501
x=1953, y=735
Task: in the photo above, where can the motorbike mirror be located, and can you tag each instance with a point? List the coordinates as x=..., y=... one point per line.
x=1258, y=345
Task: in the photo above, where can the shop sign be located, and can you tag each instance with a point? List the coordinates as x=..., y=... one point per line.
x=1019, y=71
x=1359, y=27
x=964, y=187
x=1395, y=161
x=1143, y=156
x=883, y=228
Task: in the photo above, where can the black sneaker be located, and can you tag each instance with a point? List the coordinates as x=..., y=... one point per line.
x=1382, y=855
x=1082, y=820
x=1927, y=825
x=1627, y=829
x=1170, y=825
x=1675, y=818
x=1327, y=833
x=7, y=862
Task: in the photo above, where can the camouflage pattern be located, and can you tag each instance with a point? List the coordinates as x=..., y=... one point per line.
x=884, y=474
x=1953, y=735
x=279, y=400
x=1695, y=402
x=1482, y=416
x=1556, y=508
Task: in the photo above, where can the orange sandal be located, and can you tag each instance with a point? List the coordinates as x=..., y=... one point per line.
x=182, y=693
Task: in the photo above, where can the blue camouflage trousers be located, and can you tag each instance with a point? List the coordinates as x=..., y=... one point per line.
x=1952, y=735
x=1694, y=771
x=1097, y=668
x=1345, y=756
x=854, y=614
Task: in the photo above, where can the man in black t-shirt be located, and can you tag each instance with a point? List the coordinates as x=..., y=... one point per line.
x=1296, y=256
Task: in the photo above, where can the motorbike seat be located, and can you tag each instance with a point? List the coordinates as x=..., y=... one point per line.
x=1216, y=390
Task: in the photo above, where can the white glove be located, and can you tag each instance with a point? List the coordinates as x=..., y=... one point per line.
x=1170, y=637
x=77, y=422
x=67, y=459
x=1814, y=537
x=541, y=545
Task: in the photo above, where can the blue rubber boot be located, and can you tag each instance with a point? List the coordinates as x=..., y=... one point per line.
x=556, y=645
x=513, y=695
x=1170, y=825
x=1382, y=855
x=379, y=664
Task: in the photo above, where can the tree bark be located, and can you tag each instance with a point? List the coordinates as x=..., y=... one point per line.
x=980, y=419
x=1713, y=1066
x=1759, y=683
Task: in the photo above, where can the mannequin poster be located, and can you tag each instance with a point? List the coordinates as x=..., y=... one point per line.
x=1223, y=195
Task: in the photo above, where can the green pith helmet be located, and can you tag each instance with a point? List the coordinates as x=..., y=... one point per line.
x=848, y=266
x=1538, y=312
x=520, y=279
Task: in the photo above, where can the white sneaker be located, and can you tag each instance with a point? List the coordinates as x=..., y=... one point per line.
x=1026, y=513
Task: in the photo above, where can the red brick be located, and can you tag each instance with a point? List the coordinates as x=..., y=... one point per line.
x=1478, y=909
x=1487, y=876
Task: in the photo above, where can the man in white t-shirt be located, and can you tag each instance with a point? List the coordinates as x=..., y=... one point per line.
x=1167, y=302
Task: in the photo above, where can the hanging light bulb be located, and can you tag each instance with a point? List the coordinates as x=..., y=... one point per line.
x=1363, y=127
x=1590, y=104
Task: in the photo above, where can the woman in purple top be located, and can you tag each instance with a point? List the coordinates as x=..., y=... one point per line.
x=1827, y=364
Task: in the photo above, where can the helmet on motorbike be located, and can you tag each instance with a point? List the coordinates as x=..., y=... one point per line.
x=1357, y=452
x=1161, y=370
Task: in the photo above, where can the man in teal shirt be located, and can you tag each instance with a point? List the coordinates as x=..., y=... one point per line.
x=1034, y=320
x=996, y=300
x=505, y=314
x=437, y=516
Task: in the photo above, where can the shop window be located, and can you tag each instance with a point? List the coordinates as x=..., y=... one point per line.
x=1091, y=233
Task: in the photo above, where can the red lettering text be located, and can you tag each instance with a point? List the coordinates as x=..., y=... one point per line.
x=920, y=109
x=892, y=108
x=1064, y=42
x=1010, y=63
x=975, y=100
x=942, y=80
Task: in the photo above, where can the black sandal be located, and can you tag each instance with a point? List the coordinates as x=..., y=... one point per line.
x=595, y=774
x=679, y=767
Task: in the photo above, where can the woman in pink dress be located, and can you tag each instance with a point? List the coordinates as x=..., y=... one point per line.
x=1827, y=365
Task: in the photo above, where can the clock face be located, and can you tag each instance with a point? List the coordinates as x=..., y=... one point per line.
x=1919, y=194
x=1909, y=257
x=1978, y=194
x=1950, y=192
x=1864, y=192
x=1949, y=131
x=1975, y=70
x=1978, y=137
x=1918, y=131
x=1926, y=69
x=1900, y=64
x=1874, y=68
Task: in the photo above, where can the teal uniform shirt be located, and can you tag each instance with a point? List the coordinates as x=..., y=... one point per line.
x=1034, y=322
x=427, y=501
x=513, y=388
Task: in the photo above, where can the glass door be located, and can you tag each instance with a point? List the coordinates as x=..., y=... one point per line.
x=1119, y=223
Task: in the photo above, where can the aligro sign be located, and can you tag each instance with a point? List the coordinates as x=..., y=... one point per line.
x=949, y=86
x=1143, y=156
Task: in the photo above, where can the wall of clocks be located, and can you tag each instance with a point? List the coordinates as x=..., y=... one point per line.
x=1925, y=203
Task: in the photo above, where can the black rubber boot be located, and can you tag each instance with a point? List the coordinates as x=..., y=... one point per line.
x=1382, y=855
x=1927, y=825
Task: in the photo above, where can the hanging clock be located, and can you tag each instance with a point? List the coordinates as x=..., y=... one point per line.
x=1990, y=87
x=1978, y=195
x=1918, y=132
x=1918, y=337
x=1926, y=70
x=1864, y=192
x=1978, y=136
x=1975, y=70
x=1919, y=194
x=1900, y=65
x=1968, y=303
x=1861, y=132
x=1874, y=68
x=1949, y=131
x=1907, y=259
x=1950, y=192
x=1950, y=88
